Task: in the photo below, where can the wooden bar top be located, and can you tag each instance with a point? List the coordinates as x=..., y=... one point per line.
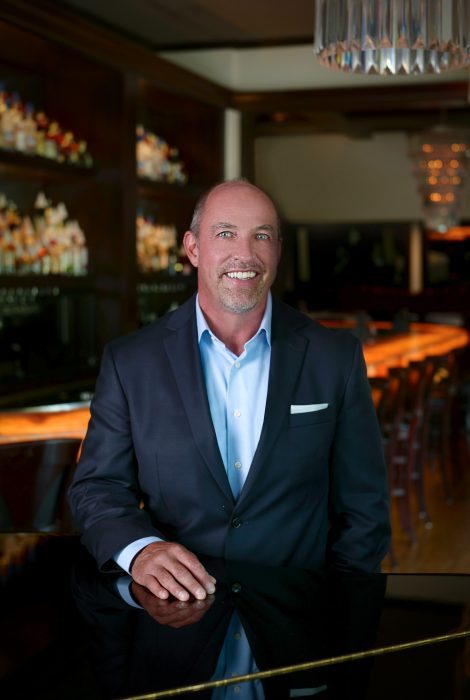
x=39, y=424
x=381, y=353
x=421, y=341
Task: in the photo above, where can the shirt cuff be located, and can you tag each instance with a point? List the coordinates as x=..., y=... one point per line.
x=124, y=557
x=123, y=587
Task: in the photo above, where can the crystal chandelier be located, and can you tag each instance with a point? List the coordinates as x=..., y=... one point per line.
x=392, y=37
x=440, y=163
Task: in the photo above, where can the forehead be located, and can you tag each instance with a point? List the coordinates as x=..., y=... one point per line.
x=239, y=205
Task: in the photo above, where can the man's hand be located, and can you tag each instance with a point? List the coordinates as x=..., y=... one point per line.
x=167, y=568
x=173, y=613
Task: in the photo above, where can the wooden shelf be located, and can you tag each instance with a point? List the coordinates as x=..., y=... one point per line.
x=86, y=83
x=147, y=188
x=19, y=166
x=156, y=281
x=42, y=281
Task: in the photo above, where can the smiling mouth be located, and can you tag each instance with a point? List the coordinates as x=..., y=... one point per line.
x=241, y=275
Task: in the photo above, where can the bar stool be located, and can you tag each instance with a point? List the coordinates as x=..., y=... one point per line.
x=391, y=415
x=420, y=379
x=33, y=483
x=445, y=433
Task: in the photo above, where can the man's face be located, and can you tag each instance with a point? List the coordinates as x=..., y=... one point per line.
x=237, y=250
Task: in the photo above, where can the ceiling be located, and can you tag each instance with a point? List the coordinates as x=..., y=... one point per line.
x=360, y=105
x=190, y=24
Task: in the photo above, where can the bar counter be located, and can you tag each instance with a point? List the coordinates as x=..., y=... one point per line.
x=382, y=351
x=419, y=342
x=44, y=422
x=385, y=348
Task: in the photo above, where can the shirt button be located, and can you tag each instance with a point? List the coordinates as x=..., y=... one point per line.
x=237, y=636
x=237, y=413
x=236, y=523
x=236, y=587
x=237, y=365
x=237, y=464
x=236, y=689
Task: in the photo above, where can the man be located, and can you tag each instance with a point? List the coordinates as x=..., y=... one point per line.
x=234, y=427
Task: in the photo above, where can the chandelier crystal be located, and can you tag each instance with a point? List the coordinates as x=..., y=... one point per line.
x=392, y=37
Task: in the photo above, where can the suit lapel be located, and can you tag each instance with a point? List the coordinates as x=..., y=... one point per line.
x=183, y=354
x=287, y=355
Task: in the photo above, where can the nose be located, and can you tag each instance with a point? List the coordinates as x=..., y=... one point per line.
x=244, y=249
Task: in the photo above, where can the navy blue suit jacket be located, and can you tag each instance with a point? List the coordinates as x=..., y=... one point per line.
x=317, y=486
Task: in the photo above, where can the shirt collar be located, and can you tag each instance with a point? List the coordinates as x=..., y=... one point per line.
x=265, y=324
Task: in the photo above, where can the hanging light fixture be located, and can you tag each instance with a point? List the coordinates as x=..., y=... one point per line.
x=440, y=164
x=392, y=37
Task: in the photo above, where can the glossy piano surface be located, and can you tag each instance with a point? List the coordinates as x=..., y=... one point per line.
x=69, y=631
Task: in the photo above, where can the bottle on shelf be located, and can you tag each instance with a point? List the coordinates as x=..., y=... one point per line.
x=51, y=143
x=49, y=244
x=156, y=160
x=25, y=130
x=7, y=127
x=42, y=125
x=156, y=245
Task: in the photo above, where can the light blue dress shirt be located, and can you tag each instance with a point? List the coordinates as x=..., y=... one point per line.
x=237, y=388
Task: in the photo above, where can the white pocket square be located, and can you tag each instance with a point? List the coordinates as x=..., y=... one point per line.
x=307, y=407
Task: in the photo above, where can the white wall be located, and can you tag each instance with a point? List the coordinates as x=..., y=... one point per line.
x=284, y=68
x=331, y=178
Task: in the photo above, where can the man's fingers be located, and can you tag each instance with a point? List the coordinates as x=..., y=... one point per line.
x=154, y=586
x=169, y=568
x=192, y=564
x=178, y=581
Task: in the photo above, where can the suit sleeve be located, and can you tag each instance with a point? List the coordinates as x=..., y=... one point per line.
x=359, y=501
x=104, y=496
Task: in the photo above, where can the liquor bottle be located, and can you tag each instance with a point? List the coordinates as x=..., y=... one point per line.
x=42, y=125
x=51, y=148
x=9, y=254
x=79, y=250
x=29, y=130
x=3, y=227
x=70, y=147
x=85, y=157
x=7, y=126
x=16, y=116
x=44, y=260
x=20, y=134
x=40, y=206
x=3, y=109
x=28, y=240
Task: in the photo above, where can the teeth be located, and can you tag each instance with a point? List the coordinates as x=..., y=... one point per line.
x=241, y=275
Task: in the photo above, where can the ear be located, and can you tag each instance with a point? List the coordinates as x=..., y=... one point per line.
x=191, y=247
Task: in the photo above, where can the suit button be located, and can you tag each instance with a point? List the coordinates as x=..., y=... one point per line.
x=236, y=587
x=236, y=522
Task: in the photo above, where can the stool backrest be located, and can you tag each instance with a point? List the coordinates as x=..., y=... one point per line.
x=33, y=481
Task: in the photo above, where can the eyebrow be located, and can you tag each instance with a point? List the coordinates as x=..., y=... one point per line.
x=222, y=224
x=226, y=224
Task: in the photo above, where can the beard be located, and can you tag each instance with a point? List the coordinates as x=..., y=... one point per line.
x=239, y=301
x=243, y=299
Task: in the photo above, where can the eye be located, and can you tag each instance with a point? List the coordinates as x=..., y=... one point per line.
x=224, y=234
x=263, y=237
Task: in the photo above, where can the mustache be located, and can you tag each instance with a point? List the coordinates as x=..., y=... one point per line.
x=241, y=266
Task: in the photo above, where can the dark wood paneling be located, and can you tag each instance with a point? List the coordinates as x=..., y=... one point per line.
x=55, y=23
